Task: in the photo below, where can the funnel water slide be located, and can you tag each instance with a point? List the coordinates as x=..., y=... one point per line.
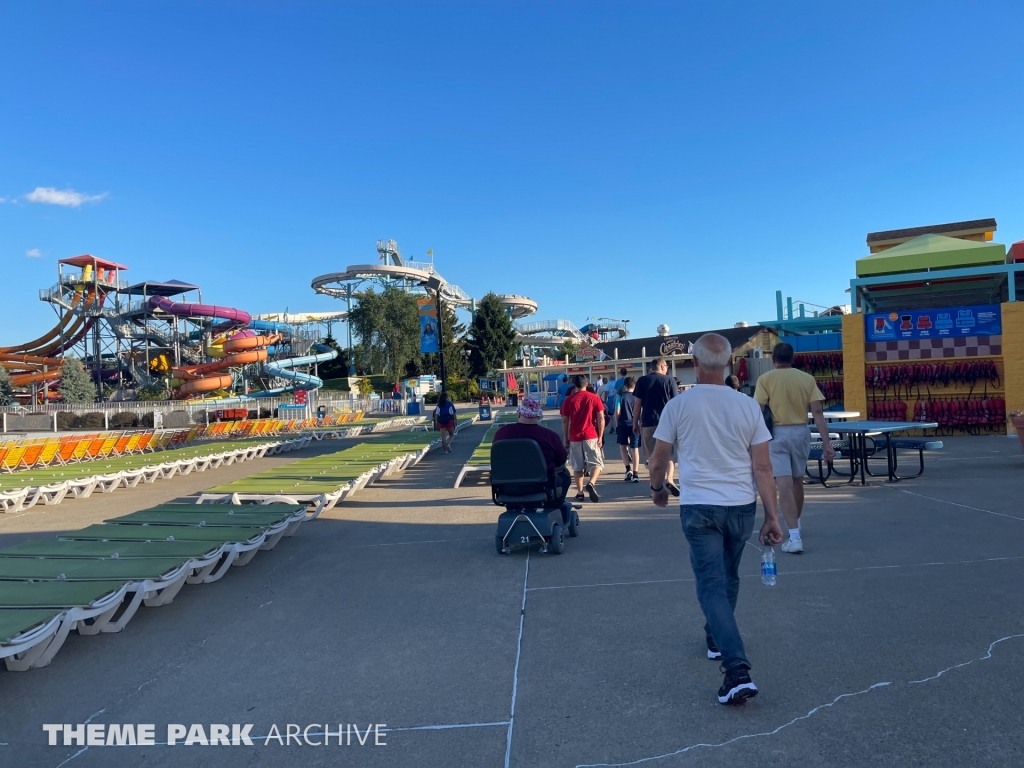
x=282, y=369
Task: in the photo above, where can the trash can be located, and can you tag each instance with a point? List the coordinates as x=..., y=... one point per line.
x=485, y=412
x=412, y=408
x=513, y=399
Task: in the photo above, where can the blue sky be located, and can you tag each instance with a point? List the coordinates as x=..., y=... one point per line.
x=659, y=162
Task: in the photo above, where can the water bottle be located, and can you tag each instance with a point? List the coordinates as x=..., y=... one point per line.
x=768, y=566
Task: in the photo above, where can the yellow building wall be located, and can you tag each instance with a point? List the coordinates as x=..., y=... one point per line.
x=1013, y=357
x=854, y=388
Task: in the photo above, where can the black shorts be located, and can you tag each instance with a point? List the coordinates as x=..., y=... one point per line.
x=625, y=436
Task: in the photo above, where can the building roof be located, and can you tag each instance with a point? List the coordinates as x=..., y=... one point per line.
x=631, y=348
x=89, y=260
x=977, y=225
x=930, y=252
x=153, y=288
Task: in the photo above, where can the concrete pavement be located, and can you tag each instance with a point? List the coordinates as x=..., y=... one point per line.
x=897, y=639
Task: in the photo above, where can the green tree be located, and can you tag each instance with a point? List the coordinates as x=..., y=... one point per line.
x=6, y=390
x=388, y=327
x=492, y=337
x=569, y=349
x=338, y=367
x=76, y=385
x=454, y=336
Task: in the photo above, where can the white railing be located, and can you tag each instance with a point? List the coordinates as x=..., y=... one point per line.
x=549, y=326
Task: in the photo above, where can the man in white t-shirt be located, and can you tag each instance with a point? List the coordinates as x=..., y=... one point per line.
x=722, y=443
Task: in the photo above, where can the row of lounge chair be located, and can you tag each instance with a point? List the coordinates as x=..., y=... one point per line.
x=73, y=449
x=480, y=460
x=94, y=580
x=321, y=482
x=50, y=487
x=17, y=455
x=23, y=490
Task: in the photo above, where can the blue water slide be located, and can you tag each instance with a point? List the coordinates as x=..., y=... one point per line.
x=283, y=369
x=267, y=325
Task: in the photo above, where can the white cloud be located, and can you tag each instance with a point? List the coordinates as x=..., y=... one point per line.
x=34, y=253
x=66, y=197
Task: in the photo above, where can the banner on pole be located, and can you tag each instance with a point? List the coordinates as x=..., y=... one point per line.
x=428, y=325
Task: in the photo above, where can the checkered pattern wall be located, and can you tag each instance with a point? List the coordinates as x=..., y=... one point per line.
x=929, y=349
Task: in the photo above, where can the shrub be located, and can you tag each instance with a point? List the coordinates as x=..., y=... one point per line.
x=124, y=420
x=146, y=420
x=430, y=398
x=91, y=420
x=66, y=420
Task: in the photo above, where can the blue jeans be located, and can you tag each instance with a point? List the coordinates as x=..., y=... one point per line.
x=717, y=536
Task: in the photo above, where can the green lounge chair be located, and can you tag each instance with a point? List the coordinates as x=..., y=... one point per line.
x=88, y=606
x=25, y=634
x=241, y=543
x=203, y=556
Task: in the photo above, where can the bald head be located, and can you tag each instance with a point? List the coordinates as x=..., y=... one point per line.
x=713, y=352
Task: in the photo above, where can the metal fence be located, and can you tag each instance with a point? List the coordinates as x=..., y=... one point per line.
x=183, y=413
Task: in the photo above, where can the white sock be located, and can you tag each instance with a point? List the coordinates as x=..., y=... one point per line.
x=794, y=534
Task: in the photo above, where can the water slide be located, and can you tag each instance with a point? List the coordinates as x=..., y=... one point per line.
x=240, y=349
x=30, y=358
x=283, y=369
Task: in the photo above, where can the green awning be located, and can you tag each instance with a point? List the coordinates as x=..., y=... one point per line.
x=931, y=252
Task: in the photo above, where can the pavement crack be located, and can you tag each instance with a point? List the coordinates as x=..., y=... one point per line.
x=812, y=712
x=988, y=655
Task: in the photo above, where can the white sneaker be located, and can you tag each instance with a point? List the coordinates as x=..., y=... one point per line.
x=793, y=547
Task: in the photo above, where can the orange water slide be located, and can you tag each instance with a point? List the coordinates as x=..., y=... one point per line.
x=30, y=358
x=65, y=328
x=241, y=350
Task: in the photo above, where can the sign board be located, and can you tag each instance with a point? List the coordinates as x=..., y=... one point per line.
x=589, y=353
x=673, y=346
x=947, y=322
x=428, y=325
x=299, y=397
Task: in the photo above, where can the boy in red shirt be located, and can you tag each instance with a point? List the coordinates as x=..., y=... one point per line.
x=583, y=435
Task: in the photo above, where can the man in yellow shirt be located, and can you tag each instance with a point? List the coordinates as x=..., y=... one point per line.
x=789, y=393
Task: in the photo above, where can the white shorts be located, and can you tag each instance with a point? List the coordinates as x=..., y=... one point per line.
x=789, y=449
x=584, y=454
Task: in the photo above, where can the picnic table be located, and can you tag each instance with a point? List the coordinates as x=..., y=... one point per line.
x=859, y=431
x=831, y=416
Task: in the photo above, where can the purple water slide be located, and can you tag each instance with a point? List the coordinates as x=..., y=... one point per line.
x=235, y=316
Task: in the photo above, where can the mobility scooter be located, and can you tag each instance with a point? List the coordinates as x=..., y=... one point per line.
x=535, y=507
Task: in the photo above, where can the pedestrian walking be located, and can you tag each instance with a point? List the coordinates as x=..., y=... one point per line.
x=627, y=439
x=563, y=390
x=583, y=436
x=722, y=443
x=652, y=393
x=444, y=420
x=609, y=395
x=788, y=394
